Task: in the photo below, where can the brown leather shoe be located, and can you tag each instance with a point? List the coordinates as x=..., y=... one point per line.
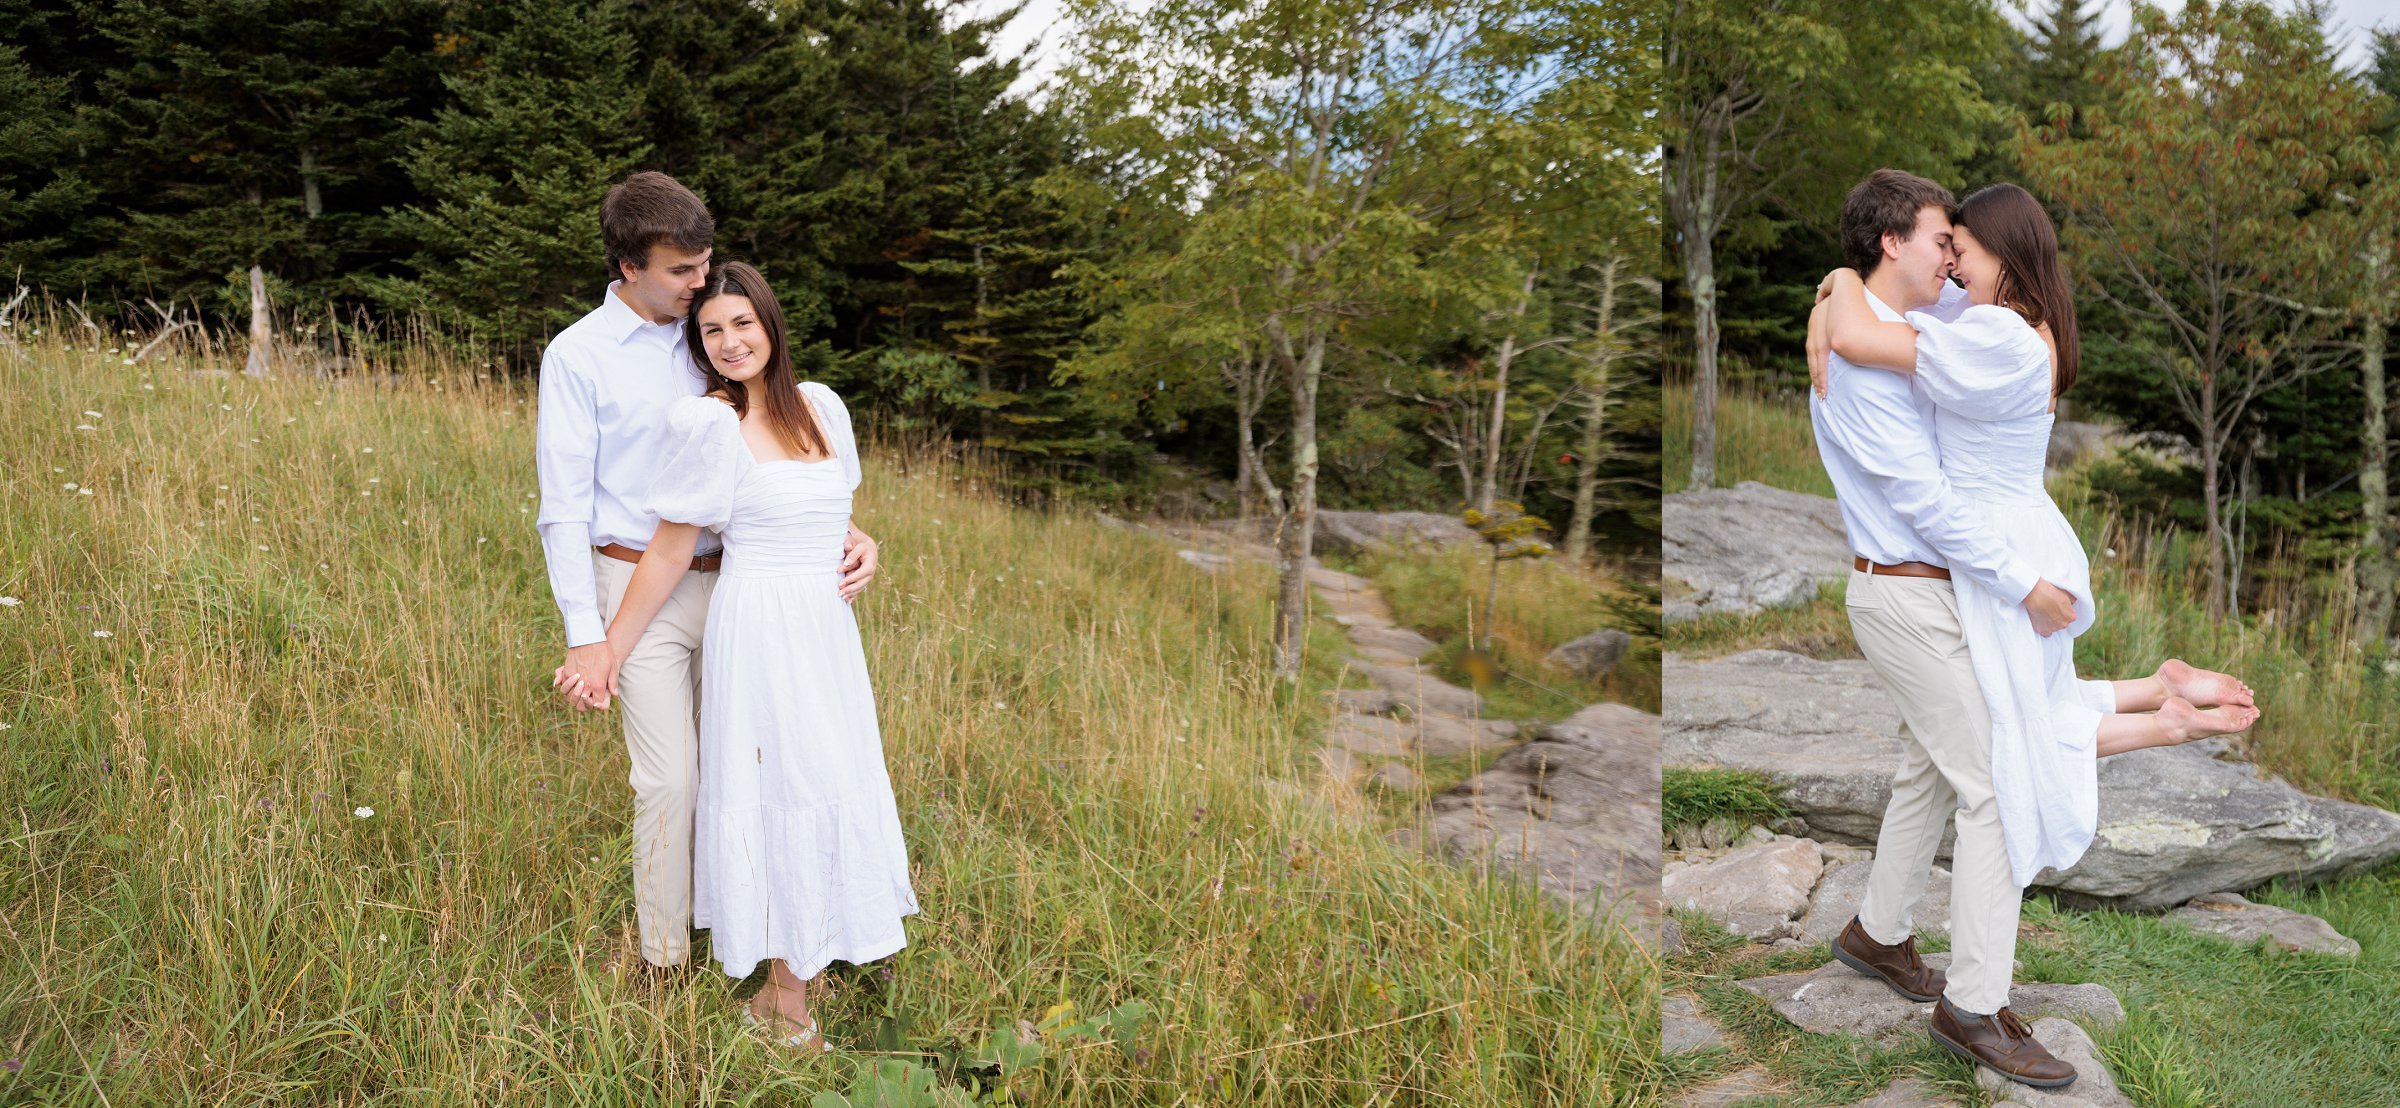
x=2003, y=1042
x=1897, y=966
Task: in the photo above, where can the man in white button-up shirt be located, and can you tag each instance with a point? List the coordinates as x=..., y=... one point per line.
x=1910, y=535
x=606, y=383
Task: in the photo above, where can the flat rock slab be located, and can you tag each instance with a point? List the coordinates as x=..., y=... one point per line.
x=1843, y=887
x=1414, y=690
x=1355, y=532
x=1364, y=702
x=1390, y=644
x=1374, y=736
x=1754, y=891
x=1835, y=999
x=1576, y=808
x=1592, y=656
x=1908, y=1092
x=1684, y=1030
x=2236, y=919
x=1733, y=1088
x=1207, y=560
x=2094, y=1086
x=1396, y=776
x=2175, y=822
x=1749, y=547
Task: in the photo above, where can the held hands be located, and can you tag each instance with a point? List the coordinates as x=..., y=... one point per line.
x=2051, y=607
x=589, y=679
x=859, y=556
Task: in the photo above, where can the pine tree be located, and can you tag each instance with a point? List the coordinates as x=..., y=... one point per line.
x=250, y=132
x=545, y=116
x=40, y=186
x=2061, y=50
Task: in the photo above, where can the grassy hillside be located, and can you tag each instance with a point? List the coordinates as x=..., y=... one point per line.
x=249, y=614
x=2211, y=1024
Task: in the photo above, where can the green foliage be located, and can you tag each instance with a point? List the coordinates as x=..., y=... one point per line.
x=1688, y=795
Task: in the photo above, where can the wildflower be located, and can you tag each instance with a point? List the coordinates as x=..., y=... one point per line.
x=362, y=811
x=374, y=480
x=15, y=1065
x=6, y=726
x=151, y=387
x=262, y=550
x=83, y=492
x=69, y=486
x=1000, y=704
x=224, y=488
x=104, y=634
x=91, y=413
x=9, y=602
x=227, y=407
x=58, y=469
x=85, y=427
x=366, y=450
x=480, y=540
x=321, y=565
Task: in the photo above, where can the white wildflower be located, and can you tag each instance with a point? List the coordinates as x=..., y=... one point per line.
x=104, y=634
x=151, y=387
x=85, y=427
x=83, y=492
x=91, y=413
x=366, y=450
x=480, y=540
x=69, y=486
x=9, y=602
x=362, y=811
x=227, y=407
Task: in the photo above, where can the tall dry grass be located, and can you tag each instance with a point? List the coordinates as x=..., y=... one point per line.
x=264, y=608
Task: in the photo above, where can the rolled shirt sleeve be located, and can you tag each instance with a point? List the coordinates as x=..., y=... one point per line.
x=566, y=444
x=1886, y=436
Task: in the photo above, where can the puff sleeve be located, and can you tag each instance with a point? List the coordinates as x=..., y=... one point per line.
x=1989, y=364
x=699, y=464
x=838, y=433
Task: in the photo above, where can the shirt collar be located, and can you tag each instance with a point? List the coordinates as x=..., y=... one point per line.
x=623, y=322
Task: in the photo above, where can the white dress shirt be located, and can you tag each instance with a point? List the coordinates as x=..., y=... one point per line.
x=599, y=435
x=1875, y=436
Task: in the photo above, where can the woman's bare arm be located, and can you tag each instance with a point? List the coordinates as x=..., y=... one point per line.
x=1857, y=334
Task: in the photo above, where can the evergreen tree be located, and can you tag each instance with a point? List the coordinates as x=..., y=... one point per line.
x=2060, y=51
x=40, y=186
x=545, y=116
x=250, y=132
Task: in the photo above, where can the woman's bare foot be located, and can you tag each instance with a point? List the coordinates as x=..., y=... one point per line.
x=2183, y=722
x=2201, y=686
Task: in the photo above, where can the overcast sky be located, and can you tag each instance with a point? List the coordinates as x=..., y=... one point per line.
x=1038, y=27
x=2352, y=19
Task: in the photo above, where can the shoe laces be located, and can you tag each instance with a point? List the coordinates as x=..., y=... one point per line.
x=2016, y=1029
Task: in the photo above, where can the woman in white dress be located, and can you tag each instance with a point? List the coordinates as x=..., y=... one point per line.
x=797, y=853
x=1994, y=360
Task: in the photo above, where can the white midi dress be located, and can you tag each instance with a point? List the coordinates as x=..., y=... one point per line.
x=1988, y=374
x=797, y=852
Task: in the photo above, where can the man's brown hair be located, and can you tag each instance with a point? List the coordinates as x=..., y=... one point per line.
x=1887, y=201
x=649, y=208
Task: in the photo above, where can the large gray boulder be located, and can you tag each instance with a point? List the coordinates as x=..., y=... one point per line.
x=2175, y=822
x=1355, y=532
x=1593, y=656
x=1576, y=808
x=2236, y=919
x=1748, y=548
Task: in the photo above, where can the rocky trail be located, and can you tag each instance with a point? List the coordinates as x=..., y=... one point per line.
x=2184, y=830
x=1573, y=804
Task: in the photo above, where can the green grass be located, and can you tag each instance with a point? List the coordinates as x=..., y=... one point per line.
x=1760, y=437
x=1542, y=604
x=1696, y=795
x=1077, y=726
x=2208, y=1024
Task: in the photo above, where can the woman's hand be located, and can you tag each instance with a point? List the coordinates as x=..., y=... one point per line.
x=1820, y=349
x=1833, y=280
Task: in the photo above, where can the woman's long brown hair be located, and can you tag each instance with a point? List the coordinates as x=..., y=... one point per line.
x=788, y=415
x=2011, y=224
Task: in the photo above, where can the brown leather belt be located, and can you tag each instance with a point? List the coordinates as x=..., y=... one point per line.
x=705, y=563
x=1903, y=569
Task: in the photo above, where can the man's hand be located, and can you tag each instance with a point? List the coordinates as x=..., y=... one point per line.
x=2051, y=607
x=859, y=555
x=590, y=676
x=1820, y=348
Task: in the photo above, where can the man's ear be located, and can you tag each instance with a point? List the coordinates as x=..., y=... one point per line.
x=626, y=271
x=1891, y=245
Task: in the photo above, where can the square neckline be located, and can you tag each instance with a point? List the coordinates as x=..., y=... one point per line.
x=831, y=455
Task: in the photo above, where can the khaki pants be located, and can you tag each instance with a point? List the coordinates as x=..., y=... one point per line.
x=1908, y=628
x=658, y=694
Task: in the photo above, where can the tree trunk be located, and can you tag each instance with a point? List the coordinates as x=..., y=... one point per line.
x=308, y=183
x=262, y=328
x=983, y=361
x=1700, y=278
x=2212, y=453
x=2375, y=571
x=1487, y=488
x=1595, y=416
x=1297, y=535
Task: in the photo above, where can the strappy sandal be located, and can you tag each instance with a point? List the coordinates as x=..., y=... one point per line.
x=805, y=1039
